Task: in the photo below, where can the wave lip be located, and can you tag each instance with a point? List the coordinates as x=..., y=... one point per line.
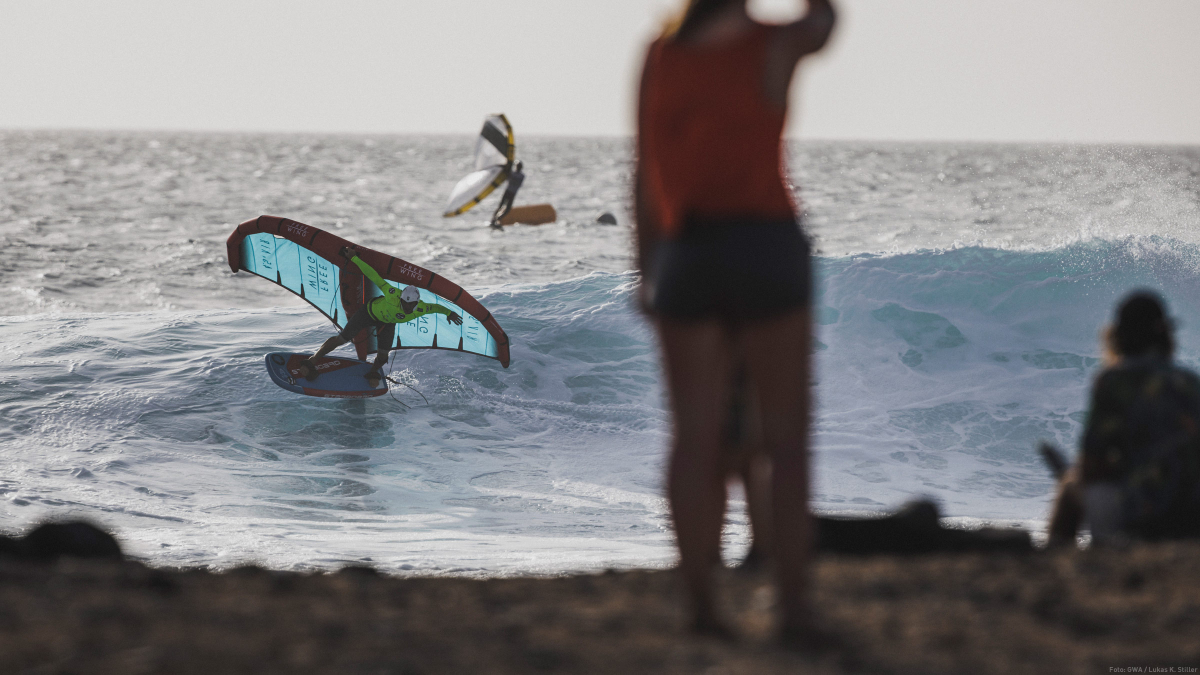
x=936, y=373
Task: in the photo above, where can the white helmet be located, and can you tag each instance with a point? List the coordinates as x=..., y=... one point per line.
x=411, y=294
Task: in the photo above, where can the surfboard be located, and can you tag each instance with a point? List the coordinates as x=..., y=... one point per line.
x=338, y=377
x=530, y=214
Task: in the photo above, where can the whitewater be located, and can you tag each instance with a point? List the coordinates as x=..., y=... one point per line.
x=960, y=292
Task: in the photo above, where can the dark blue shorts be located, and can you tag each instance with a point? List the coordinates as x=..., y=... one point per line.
x=732, y=269
x=384, y=332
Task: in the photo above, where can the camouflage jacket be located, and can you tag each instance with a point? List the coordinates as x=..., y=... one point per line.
x=1143, y=433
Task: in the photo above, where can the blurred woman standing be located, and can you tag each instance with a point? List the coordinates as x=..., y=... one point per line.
x=726, y=274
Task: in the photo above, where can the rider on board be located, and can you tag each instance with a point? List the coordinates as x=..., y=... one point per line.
x=383, y=313
x=510, y=193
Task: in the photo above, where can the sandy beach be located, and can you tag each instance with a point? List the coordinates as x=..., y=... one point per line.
x=1061, y=612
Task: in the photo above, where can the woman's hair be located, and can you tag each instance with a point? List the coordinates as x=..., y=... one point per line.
x=1142, y=326
x=694, y=15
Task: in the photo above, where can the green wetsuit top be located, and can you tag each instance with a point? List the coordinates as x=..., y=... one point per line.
x=387, y=309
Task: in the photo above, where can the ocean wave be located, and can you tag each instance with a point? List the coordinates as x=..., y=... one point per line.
x=936, y=373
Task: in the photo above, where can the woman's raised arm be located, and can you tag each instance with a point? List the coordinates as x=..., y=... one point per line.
x=792, y=42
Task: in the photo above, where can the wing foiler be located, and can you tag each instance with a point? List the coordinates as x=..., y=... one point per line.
x=495, y=165
x=495, y=156
x=304, y=260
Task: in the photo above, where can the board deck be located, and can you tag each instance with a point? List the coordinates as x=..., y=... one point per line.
x=530, y=214
x=338, y=377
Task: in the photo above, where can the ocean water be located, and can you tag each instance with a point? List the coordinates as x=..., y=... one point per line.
x=961, y=289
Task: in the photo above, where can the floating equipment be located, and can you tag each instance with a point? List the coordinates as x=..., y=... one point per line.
x=496, y=163
x=530, y=214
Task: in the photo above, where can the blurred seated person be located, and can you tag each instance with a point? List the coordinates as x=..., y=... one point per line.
x=1138, y=471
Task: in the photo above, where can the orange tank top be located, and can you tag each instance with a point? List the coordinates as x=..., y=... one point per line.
x=709, y=142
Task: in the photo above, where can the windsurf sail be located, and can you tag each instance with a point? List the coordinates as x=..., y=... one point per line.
x=495, y=154
x=304, y=259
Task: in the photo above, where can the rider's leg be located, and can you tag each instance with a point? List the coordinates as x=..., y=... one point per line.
x=309, y=369
x=330, y=345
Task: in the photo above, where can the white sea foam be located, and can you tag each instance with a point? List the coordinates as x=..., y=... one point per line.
x=132, y=388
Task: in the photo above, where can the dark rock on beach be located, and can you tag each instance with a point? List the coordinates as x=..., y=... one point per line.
x=1060, y=612
x=50, y=541
x=914, y=529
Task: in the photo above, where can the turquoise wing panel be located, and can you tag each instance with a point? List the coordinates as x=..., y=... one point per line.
x=297, y=269
x=287, y=261
x=258, y=256
x=315, y=279
x=319, y=279
x=435, y=330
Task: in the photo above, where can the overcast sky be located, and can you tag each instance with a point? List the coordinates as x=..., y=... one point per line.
x=1007, y=70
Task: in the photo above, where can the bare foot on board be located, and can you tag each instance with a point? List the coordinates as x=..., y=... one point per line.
x=308, y=369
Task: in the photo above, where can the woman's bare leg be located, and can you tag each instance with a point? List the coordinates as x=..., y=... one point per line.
x=756, y=477
x=777, y=353
x=697, y=360
x=755, y=471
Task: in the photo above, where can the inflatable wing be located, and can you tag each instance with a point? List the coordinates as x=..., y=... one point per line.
x=305, y=260
x=495, y=152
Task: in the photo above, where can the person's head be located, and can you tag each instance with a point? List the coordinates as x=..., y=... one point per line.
x=694, y=14
x=409, y=298
x=1141, y=327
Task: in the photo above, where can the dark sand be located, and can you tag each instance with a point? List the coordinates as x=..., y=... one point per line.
x=1070, y=612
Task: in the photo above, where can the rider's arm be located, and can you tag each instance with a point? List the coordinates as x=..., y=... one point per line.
x=370, y=273
x=440, y=309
